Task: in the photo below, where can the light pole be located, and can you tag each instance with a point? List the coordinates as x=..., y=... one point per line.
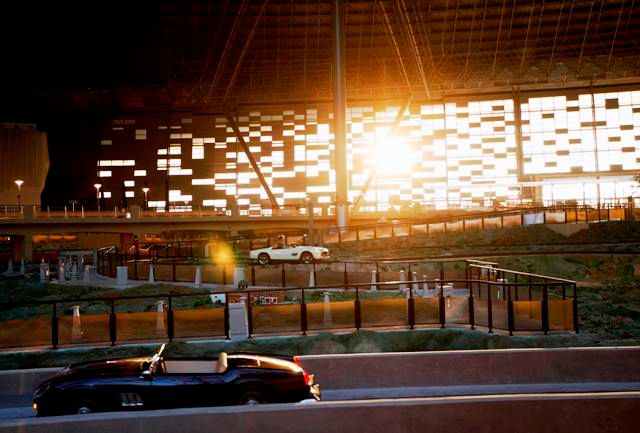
x=146, y=198
x=19, y=183
x=309, y=219
x=97, y=186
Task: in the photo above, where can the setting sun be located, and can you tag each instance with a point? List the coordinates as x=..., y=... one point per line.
x=391, y=156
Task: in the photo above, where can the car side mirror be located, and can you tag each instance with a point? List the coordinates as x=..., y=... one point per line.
x=146, y=375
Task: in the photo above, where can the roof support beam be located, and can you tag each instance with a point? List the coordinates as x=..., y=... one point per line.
x=252, y=161
x=245, y=49
x=584, y=39
x=615, y=35
x=396, y=48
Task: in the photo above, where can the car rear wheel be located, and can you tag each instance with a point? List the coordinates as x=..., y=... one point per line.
x=306, y=257
x=252, y=396
x=264, y=259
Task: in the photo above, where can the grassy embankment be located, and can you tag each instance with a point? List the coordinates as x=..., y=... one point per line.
x=609, y=297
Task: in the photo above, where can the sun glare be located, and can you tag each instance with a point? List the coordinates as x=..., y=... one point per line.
x=391, y=156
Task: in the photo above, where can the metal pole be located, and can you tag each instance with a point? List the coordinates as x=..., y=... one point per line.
x=303, y=314
x=54, y=327
x=170, y=321
x=340, y=115
x=113, y=324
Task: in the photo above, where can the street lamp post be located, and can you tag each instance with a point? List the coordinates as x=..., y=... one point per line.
x=146, y=197
x=309, y=219
x=19, y=183
x=97, y=186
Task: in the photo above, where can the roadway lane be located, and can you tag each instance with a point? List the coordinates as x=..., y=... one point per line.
x=19, y=407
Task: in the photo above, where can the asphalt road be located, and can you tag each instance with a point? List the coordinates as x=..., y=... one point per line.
x=19, y=407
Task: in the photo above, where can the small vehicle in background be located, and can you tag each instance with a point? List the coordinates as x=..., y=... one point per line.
x=161, y=382
x=291, y=252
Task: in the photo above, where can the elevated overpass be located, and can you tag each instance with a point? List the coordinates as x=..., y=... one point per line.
x=21, y=224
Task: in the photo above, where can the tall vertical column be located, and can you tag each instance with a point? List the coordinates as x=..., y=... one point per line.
x=21, y=247
x=340, y=115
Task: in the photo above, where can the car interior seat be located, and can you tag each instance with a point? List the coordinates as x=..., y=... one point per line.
x=222, y=365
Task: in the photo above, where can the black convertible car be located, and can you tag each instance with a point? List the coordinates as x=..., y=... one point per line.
x=159, y=382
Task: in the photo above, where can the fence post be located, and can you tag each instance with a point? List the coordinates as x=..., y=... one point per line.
x=489, y=308
x=284, y=277
x=472, y=313
x=510, y=315
x=586, y=214
x=441, y=304
x=545, y=309
x=303, y=314
x=113, y=324
x=249, y=316
x=224, y=274
x=346, y=277
x=54, y=327
x=253, y=274
x=170, y=320
x=357, y=312
x=173, y=266
x=411, y=308
x=576, y=325
x=226, y=316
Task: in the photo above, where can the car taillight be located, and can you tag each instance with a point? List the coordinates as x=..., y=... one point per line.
x=308, y=378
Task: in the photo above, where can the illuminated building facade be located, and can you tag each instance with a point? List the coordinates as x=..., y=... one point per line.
x=580, y=145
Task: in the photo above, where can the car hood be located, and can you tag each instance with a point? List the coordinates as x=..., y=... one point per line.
x=92, y=369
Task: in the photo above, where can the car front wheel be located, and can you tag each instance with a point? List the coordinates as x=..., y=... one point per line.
x=264, y=259
x=83, y=407
x=306, y=257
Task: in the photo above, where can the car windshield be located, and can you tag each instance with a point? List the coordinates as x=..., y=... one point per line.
x=152, y=364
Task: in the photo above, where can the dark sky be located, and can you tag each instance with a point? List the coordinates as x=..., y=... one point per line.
x=50, y=49
x=54, y=45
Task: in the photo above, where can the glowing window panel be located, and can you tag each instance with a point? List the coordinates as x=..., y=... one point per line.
x=140, y=173
x=162, y=151
x=215, y=202
x=106, y=142
x=203, y=181
x=106, y=194
x=141, y=134
x=129, y=194
x=104, y=173
x=129, y=183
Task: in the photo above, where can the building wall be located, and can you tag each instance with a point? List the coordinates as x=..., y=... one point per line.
x=459, y=152
x=24, y=155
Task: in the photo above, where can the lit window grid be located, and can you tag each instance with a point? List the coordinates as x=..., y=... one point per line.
x=574, y=148
x=460, y=145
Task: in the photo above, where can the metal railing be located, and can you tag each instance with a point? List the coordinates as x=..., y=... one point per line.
x=477, y=294
x=461, y=222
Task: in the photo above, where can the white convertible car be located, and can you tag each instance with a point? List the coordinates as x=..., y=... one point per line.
x=291, y=252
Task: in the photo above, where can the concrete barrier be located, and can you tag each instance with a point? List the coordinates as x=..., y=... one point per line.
x=23, y=382
x=428, y=369
x=539, y=413
x=475, y=367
